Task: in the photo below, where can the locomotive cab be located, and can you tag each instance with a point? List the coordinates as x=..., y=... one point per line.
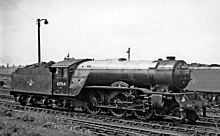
x=62, y=73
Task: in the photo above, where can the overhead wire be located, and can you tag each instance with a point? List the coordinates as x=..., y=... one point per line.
x=25, y=14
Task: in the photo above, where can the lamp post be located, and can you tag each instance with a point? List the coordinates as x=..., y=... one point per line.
x=38, y=25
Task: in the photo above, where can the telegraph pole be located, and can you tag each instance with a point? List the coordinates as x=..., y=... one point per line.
x=38, y=26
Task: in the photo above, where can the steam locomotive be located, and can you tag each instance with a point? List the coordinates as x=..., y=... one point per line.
x=146, y=89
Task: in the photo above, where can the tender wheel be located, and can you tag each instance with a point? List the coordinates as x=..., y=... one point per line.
x=23, y=100
x=46, y=102
x=118, y=111
x=33, y=101
x=94, y=98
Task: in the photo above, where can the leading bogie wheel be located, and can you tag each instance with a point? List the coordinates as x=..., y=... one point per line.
x=191, y=116
x=177, y=119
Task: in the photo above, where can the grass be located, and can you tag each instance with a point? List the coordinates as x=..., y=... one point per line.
x=28, y=123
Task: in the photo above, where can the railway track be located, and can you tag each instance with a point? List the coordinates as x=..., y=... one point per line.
x=214, y=111
x=97, y=123
x=102, y=124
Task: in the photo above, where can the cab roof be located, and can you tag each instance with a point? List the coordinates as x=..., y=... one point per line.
x=67, y=63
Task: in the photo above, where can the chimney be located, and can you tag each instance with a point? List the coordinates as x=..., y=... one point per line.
x=171, y=57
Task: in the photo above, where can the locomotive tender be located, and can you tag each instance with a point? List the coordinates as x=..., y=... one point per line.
x=145, y=89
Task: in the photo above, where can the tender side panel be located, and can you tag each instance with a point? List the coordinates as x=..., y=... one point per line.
x=207, y=80
x=33, y=80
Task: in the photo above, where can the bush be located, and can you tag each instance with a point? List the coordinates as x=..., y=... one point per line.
x=14, y=129
x=6, y=111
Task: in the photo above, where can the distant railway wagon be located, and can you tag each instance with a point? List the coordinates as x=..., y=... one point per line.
x=207, y=81
x=146, y=89
x=5, y=77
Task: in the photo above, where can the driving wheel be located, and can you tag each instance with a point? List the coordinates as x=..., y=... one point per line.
x=94, y=99
x=118, y=111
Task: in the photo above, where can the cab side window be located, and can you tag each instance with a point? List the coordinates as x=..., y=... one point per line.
x=59, y=72
x=62, y=72
x=65, y=72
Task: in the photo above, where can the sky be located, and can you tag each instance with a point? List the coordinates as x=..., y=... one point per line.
x=103, y=29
